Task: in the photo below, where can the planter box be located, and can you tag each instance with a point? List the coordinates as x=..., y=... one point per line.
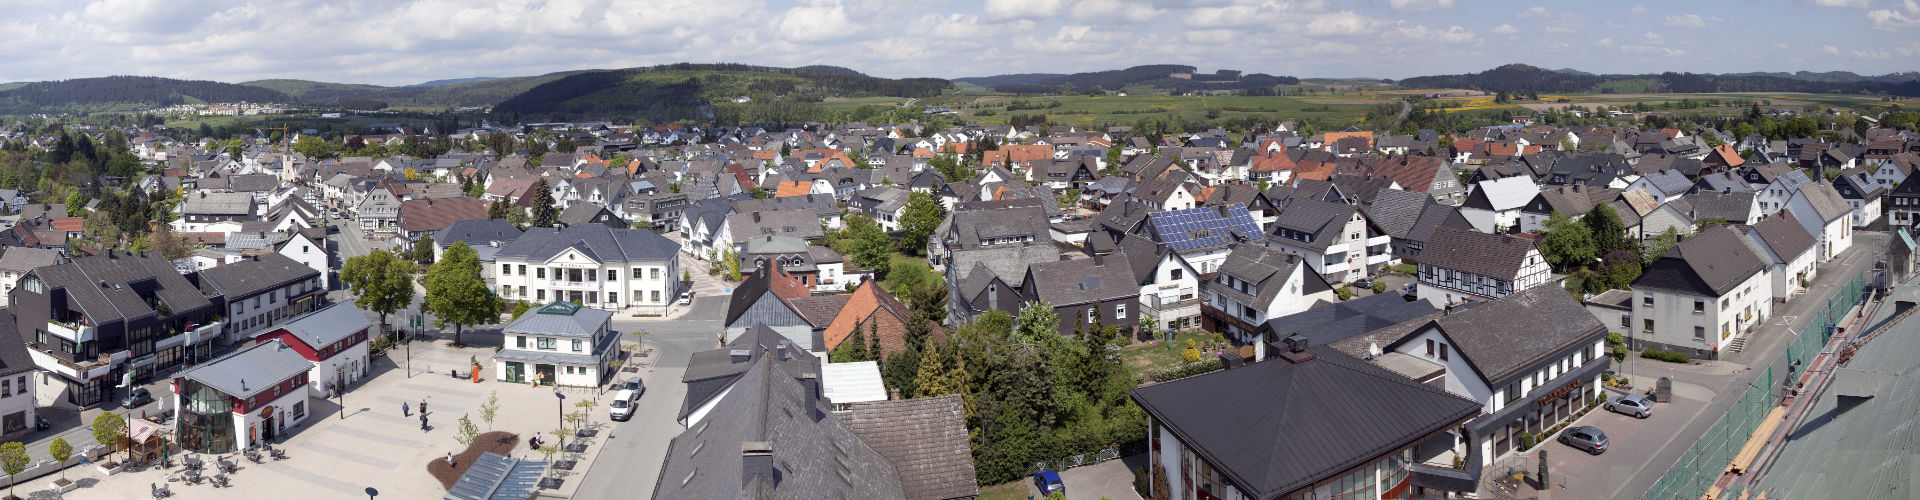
x=57, y=488
x=109, y=471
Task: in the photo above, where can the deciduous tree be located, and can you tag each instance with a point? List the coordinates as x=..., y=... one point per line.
x=457, y=294
x=1567, y=244
x=380, y=281
x=1609, y=233
x=923, y=216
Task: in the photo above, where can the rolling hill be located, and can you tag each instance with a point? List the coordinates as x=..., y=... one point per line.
x=439, y=93
x=704, y=91
x=126, y=92
x=1155, y=75
x=1525, y=78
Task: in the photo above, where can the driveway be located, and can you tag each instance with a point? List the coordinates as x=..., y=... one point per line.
x=1110, y=479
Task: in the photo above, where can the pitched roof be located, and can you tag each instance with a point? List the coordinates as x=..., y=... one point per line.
x=267, y=363
x=1266, y=269
x=1490, y=255
x=597, y=241
x=252, y=276
x=1253, y=423
x=1081, y=281
x=1201, y=228
x=1826, y=202
x=434, y=215
x=1337, y=321
x=925, y=438
x=14, y=357
x=1503, y=338
x=860, y=308
x=1710, y=264
x=1784, y=236
x=813, y=455
x=564, y=319
x=328, y=325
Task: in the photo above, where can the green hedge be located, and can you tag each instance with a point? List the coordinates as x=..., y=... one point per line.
x=1185, y=370
x=1667, y=356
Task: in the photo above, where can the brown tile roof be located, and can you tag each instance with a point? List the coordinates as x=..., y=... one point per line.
x=434, y=215
x=793, y=188
x=925, y=438
x=67, y=223
x=820, y=309
x=1018, y=154
x=867, y=307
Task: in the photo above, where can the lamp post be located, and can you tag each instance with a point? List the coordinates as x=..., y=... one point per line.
x=372, y=493
x=560, y=408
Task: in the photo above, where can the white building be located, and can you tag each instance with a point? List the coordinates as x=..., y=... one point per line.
x=1707, y=293
x=1494, y=205
x=17, y=403
x=263, y=291
x=334, y=339
x=17, y=261
x=1826, y=216
x=560, y=343
x=238, y=400
x=1254, y=284
x=1788, y=250
x=1336, y=239
x=1459, y=264
x=591, y=265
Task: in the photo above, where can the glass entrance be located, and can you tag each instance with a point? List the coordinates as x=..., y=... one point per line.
x=543, y=373
x=516, y=372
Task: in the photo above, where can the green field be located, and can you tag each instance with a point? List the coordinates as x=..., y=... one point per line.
x=1080, y=110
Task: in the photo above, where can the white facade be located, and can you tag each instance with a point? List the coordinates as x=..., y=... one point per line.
x=344, y=369
x=1441, y=286
x=1347, y=258
x=574, y=276
x=306, y=251
x=17, y=404
x=1287, y=300
x=1168, y=293
x=1696, y=325
x=252, y=315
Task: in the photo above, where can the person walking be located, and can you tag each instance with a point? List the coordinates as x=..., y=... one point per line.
x=423, y=406
x=423, y=422
x=406, y=410
x=449, y=459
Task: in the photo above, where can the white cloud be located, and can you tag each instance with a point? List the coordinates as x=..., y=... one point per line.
x=1650, y=49
x=1606, y=42
x=1857, y=4
x=1637, y=10
x=1909, y=49
x=1890, y=19
x=1689, y=21
x=1022, y=9
x=1134, y=12
x=1872, y=54
x=1341, y=23
x=1420, y=5
x=818, y=22
x=1505, y=29
x=1831, y=49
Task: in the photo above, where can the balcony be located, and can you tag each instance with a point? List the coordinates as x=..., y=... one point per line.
x=75, y=331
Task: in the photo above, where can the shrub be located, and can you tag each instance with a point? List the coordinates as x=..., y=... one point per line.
x=1142, y=482
x=1184, y=370
x=1344, y=292
x=1526, y=441
x=1379, y=287
x=1191, y=353
x=1667, y=356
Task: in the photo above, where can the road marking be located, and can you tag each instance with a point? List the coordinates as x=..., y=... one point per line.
x=1789, y=320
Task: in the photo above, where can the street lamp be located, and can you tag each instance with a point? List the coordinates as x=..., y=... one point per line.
x=560, y=407
x=372, y=493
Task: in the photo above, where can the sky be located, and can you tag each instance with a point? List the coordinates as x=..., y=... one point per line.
x=407, y=42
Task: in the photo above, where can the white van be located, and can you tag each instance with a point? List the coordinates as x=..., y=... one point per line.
x=623, y=404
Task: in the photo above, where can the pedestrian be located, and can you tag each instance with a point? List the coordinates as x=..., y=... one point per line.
x=423, y=406
x=406, y=410
x=423, y=422
x=449, y=459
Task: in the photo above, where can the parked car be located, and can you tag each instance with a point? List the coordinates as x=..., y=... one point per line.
x=1635, y=405
x=1048, y=482
x=686, y=298
x=41, y=423
x=623, y=404
x=137, y=398
x=1411, y=292
x=633, y=384
x=1585, y=437
x=1363, y=282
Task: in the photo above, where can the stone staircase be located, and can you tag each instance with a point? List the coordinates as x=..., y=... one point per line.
x=1739, y=344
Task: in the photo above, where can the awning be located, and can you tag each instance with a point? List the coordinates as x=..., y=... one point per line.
x=1482, y=425
x=1443, y=478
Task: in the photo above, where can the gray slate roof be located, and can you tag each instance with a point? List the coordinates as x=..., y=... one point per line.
x=240, y=204
x=14, y=358
x=125, y=276
x=1504, y=337
x=1710, y=264
x=247, y=278
x=553, y=319
x=29, y=258
x=814, y=455
x=1337, y=321
x=328, y=325
x=1081, y=281
x=925, y=438
x=1253, y=423
x=1265, y=269
x=597, y=241
x=1782, y=233
x=252, y=370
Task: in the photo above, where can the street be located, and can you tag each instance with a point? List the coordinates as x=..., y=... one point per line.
x=634, y=451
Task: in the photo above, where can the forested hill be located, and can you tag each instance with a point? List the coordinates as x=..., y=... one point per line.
x=704, y=92
x=1155, y=75
x=1524, y=78
x=123, y=90
x=474, y=92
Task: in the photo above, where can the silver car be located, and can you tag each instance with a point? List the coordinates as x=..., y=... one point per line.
x=1585, y=437
x=1635, y=405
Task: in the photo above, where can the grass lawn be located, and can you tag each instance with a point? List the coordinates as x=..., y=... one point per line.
x=907, y=270
x=1088, y=110
x=1142, y=357
x=1016, y=490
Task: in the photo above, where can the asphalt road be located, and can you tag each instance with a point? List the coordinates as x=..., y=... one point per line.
x=635, y=449
x=1764, y=349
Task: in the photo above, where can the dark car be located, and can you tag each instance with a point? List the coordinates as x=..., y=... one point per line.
x=1585, y=437
x=139, y=397
x=1048, y=482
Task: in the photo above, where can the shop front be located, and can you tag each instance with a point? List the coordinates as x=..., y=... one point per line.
x=1553, y=403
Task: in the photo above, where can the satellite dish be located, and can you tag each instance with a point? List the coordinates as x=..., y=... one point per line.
x=1373, y=349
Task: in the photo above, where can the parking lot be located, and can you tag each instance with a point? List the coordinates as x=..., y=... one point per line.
x=1631, y=441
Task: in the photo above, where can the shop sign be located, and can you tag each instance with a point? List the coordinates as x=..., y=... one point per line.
x=1547, y=400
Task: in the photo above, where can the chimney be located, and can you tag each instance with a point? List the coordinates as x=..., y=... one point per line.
x=1296, y=349
x=756, y=463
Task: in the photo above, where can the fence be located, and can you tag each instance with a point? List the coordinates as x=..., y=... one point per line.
x=1709, y=457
